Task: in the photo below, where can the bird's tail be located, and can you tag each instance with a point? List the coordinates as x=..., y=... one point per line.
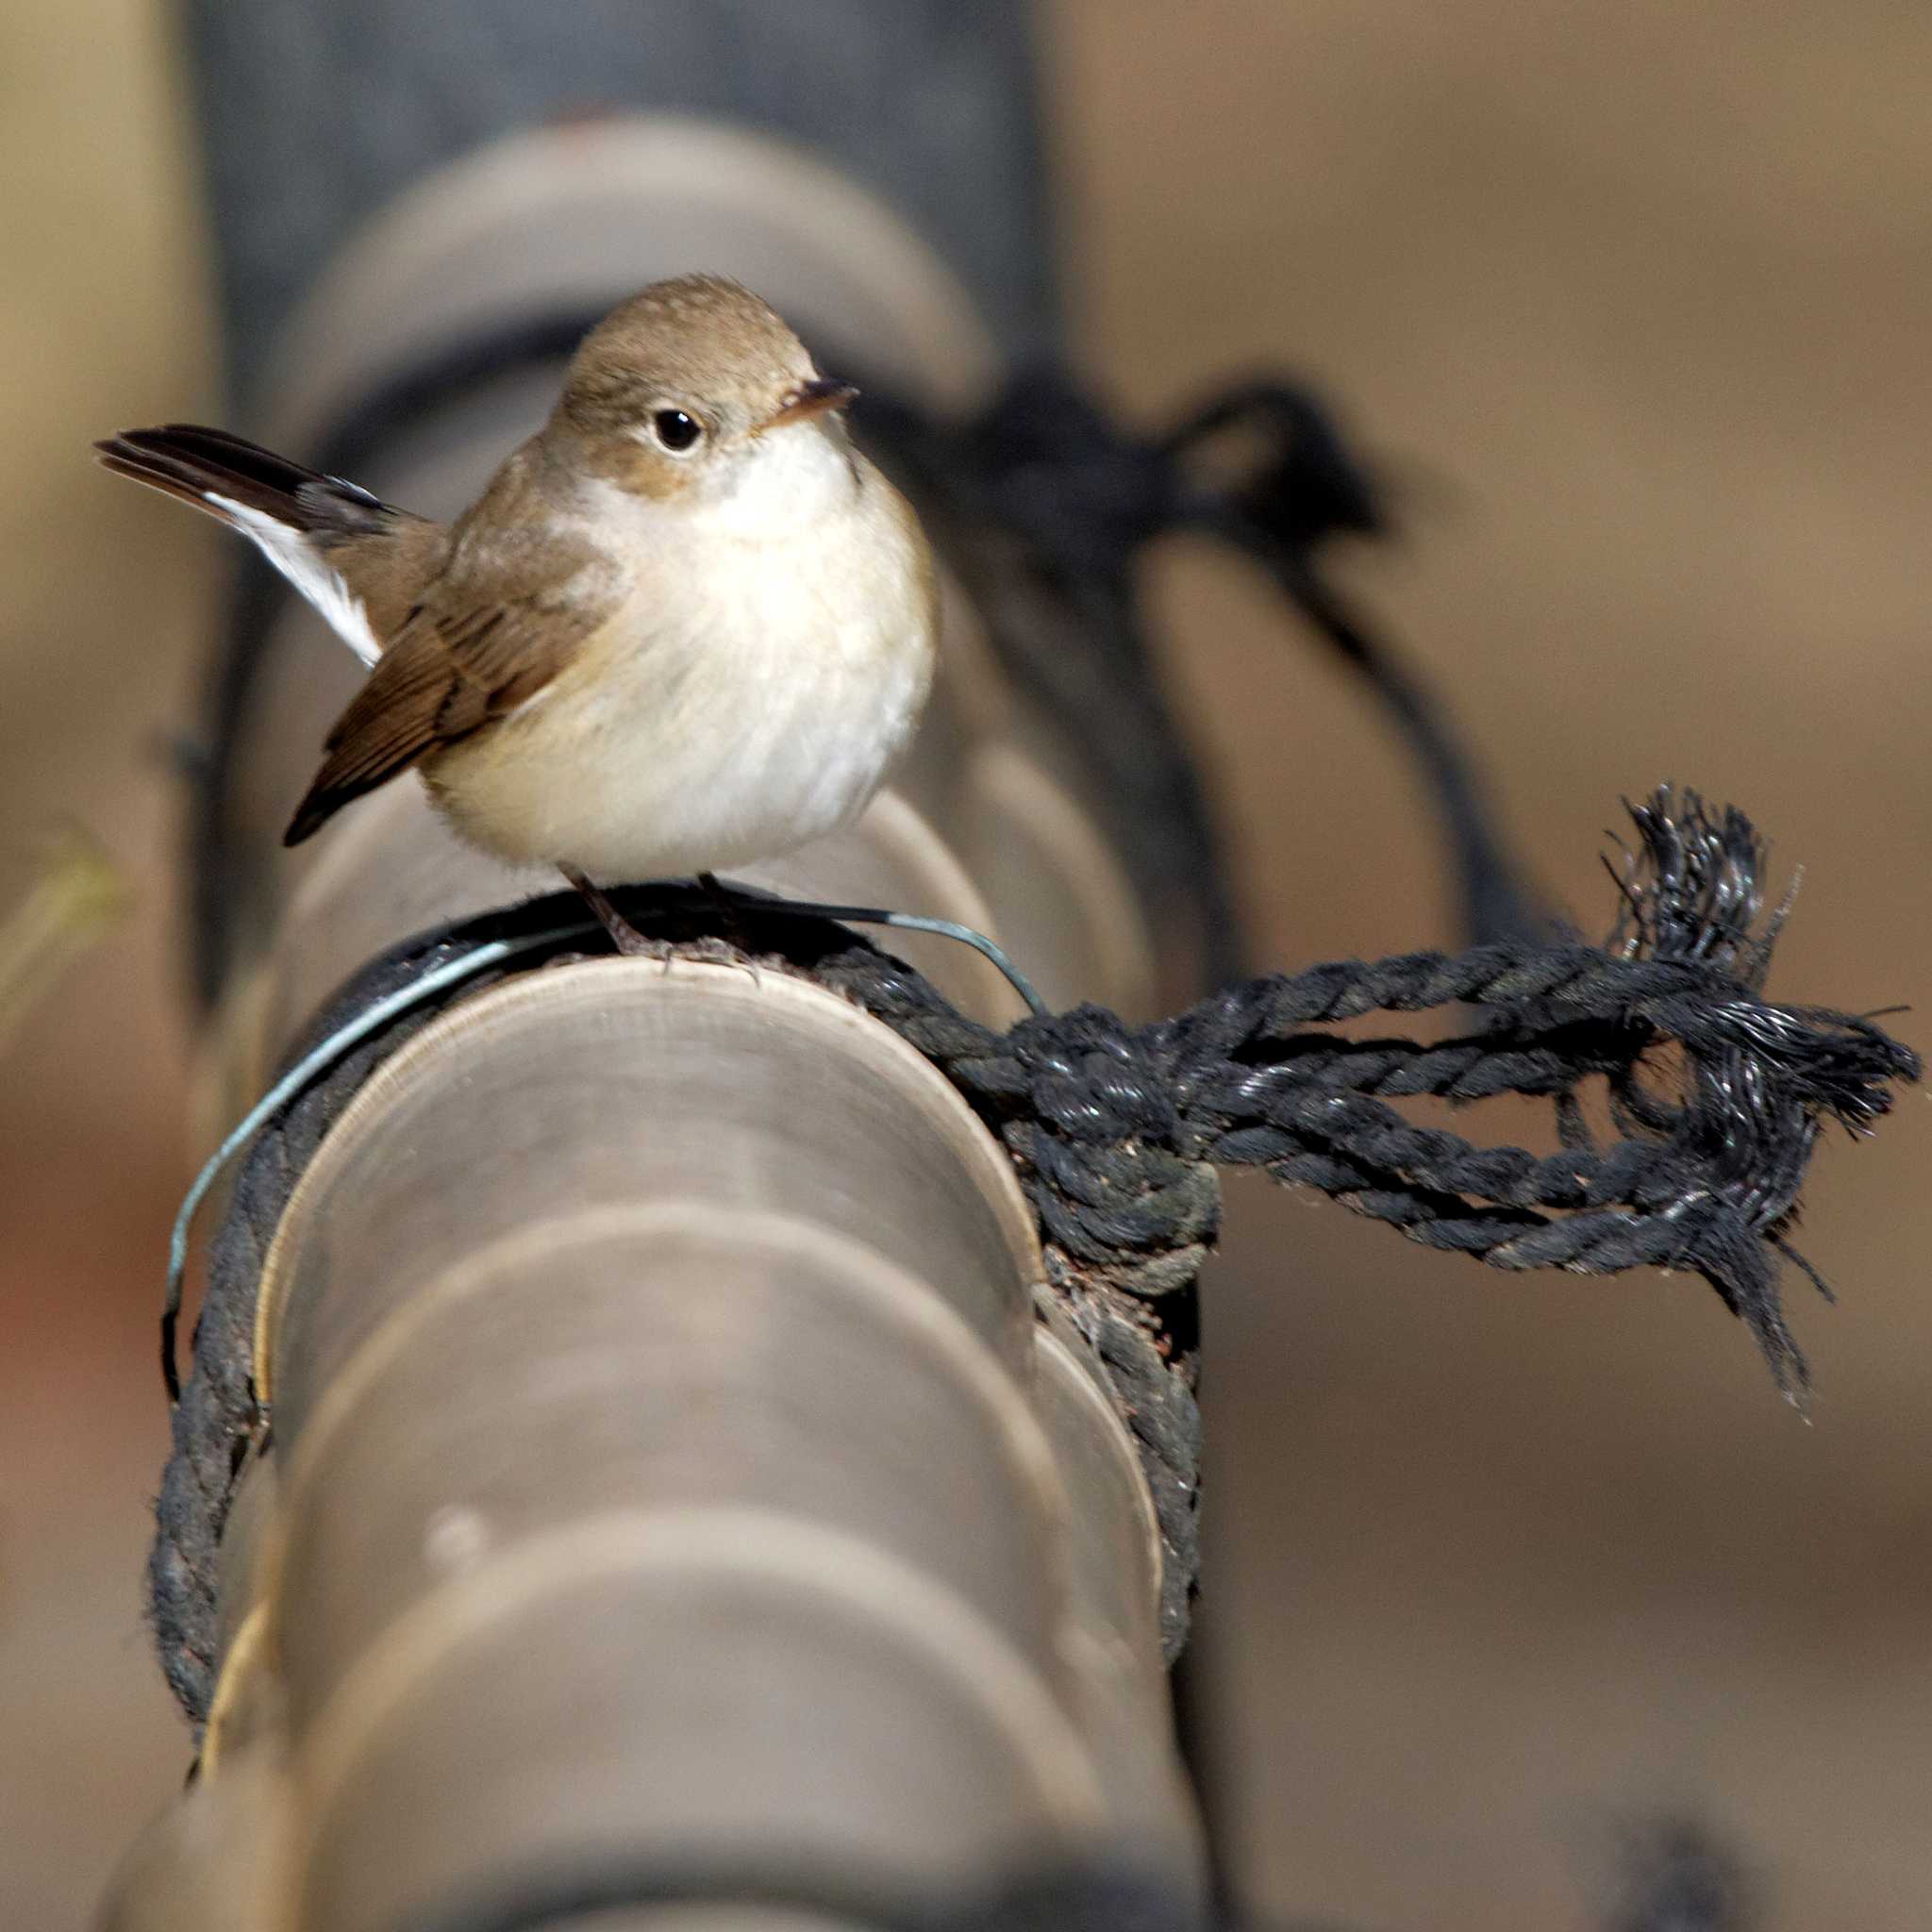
x=296, y=516
x=227, y=475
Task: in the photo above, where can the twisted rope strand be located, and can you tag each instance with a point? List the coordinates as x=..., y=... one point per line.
x=1117, y=1134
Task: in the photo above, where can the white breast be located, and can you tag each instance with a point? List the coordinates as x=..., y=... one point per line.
x=768, y=665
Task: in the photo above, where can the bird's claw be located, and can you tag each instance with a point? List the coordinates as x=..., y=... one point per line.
x=713, y=951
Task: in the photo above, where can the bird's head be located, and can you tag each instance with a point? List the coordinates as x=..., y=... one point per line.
x=687, y=389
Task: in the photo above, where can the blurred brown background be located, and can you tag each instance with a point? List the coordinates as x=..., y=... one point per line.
x=1638, y=296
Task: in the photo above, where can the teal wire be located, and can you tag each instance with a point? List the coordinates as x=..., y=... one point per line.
x=778, y=905
x=945, y=928
x=309, y=1067
x=495, y=952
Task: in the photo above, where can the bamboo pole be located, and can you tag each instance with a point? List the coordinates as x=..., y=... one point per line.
x=673, y=1453
x=668, y=1457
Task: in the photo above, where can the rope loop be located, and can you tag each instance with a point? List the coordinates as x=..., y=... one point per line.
x=1118, y=1134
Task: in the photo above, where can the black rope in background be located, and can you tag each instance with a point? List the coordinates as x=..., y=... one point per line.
x=1047, y=495
x=1670, y=1877
x=1117, y=1131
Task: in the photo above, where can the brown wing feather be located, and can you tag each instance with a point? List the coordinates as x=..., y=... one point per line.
x=490, y=633
x=389, y=724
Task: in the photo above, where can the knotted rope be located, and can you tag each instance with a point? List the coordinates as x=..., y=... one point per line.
x=1044, y=507
x=1117, y=1132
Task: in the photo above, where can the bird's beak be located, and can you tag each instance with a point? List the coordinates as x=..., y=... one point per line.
x=811, y=399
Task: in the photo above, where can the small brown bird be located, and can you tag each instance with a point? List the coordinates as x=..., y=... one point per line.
x=686, y=626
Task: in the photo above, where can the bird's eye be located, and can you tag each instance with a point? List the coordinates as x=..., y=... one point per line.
x=678, y=431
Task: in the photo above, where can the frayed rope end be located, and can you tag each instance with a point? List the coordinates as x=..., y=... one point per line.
x=1759, y=1079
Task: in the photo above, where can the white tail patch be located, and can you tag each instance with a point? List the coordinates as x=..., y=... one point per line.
x=298, y=560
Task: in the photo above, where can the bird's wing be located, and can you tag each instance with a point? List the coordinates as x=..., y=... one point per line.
x=486, y=637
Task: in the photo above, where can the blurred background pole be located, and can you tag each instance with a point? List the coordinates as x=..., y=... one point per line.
x=315, y=118
x=670, y=1455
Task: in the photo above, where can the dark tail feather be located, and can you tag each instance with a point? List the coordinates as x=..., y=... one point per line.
x=316, y=810
x=197, y=464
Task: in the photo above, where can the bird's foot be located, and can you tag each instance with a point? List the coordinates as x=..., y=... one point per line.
x=732, y=901
x=710, y=949
x=627, y=940
x=713, y=951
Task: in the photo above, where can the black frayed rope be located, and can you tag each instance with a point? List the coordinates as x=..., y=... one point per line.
x=1717, y=1095
x=1042, y=506
x=1672, y=1875
x=1046, y=498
